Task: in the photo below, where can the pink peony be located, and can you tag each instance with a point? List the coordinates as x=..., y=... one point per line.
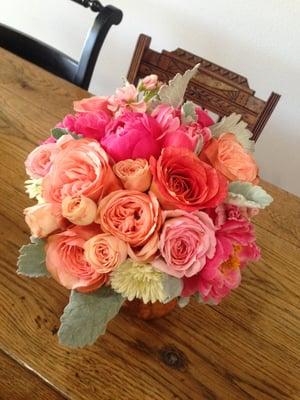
x=132, y=135
x=186, y=242
x=203, y=120
x=66, y=262
x=91, y=125
x=39, y=161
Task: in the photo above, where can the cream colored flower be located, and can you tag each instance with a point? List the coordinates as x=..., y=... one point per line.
x=138, y=280
x=33, y=187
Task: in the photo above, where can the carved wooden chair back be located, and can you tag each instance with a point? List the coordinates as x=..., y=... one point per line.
x=78, y=72
x=214, y=88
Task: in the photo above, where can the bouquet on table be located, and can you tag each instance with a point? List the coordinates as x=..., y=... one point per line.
x=140, y=195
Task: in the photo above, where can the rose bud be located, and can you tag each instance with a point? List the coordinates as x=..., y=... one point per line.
x=79, y=210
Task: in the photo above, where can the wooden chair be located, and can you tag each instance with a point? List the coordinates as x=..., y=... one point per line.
x=78, y=72
x=214, y=88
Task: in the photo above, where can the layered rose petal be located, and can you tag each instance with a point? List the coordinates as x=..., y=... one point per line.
x=186, y=242
x=130, y=215
x=66, y=262
x=105, y=252
x=229, y=157
x=39, y=161
x=92, y=104
x=79, y=210
x=43, y=219
x=134, y=174
x=80, y=168
x=146, y=252
x=182, y=181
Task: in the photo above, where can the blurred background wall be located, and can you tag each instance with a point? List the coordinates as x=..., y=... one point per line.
x=258, y=39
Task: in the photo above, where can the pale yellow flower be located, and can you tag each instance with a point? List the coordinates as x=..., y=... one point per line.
x=138, y=280
x=33, y=187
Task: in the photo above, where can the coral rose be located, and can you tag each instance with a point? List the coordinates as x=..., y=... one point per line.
x=79, y=210
x=105, y=252
x=134, y=174
x=132, y=135
x=130, y=215
x=186, y=242
x=43, y=219
x=80, y=168
x=66, y=262
x=182, y=181
x=92, y=104
x=229, y=157
x=39, y=161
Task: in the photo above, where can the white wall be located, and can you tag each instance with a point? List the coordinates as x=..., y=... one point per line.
x=259, y=39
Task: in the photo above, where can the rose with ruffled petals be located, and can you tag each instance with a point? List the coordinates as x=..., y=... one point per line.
x=186, y=242
x=126, y=99
x=66, y=262
x=134, y=174
x=80, y=168
x=79, y=210
x=132, y=135
x=105, y=252
x=229, y=157
x=39, y=161
x=130, y=215
x=182, y=181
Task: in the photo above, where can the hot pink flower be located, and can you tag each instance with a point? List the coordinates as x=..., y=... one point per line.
x=66, y=262
x=91, y=125
x=39, y=161
x=204, y=120
x=186, y=242
x=132, y=135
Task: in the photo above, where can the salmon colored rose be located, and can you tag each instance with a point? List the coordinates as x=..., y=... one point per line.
x=43, y=219
x=130, y=215
x=145, y=253
x=134, y=174
x=186, y=242
x=92, y=104
x=80, y=168
x=79, y=210
x=39, y=161
x=66, y=262
x=105, y=252
x=229, y=157
x=182, y=181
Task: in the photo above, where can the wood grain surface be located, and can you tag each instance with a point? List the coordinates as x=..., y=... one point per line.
x=245, y=348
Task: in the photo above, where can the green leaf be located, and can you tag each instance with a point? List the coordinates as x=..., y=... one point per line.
x=172, y=287
x=183, y=301
x=188, y=112
x=173, y=93
x=234, y=124
x=245, y=194
x=31, y=261
x=87, y=315
x=57, y=133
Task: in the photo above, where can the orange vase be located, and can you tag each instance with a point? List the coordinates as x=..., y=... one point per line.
x=148, y=311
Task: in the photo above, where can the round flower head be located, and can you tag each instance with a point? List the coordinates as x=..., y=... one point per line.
x=138, y=280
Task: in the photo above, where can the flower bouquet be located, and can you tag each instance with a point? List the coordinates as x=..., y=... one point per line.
x=140, y=195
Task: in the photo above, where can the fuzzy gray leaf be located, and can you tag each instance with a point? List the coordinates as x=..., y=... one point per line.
x=188, y=112
x=31, y=261
x=57, y=133
x=87, y=315
x=173, y=93
x=172, y=287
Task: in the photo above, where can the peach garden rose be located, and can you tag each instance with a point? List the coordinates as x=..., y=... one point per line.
x=79, y=210
x=43, y=219
x=134, y=174
x=39, y=161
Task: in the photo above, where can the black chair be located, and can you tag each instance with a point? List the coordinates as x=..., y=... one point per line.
x=78, y=72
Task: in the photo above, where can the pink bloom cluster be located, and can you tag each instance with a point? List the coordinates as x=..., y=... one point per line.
x=131, y=184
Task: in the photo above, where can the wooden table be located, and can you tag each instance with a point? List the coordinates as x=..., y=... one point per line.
x=246, y=348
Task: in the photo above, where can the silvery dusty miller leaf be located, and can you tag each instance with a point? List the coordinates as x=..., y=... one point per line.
x=31, y=261
x=188, y=112
x=183, y=301
x=57, y=133
x=234, y=124
x=245, y=194
x=87, y=315
x=172, y=287
x=173, y=93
